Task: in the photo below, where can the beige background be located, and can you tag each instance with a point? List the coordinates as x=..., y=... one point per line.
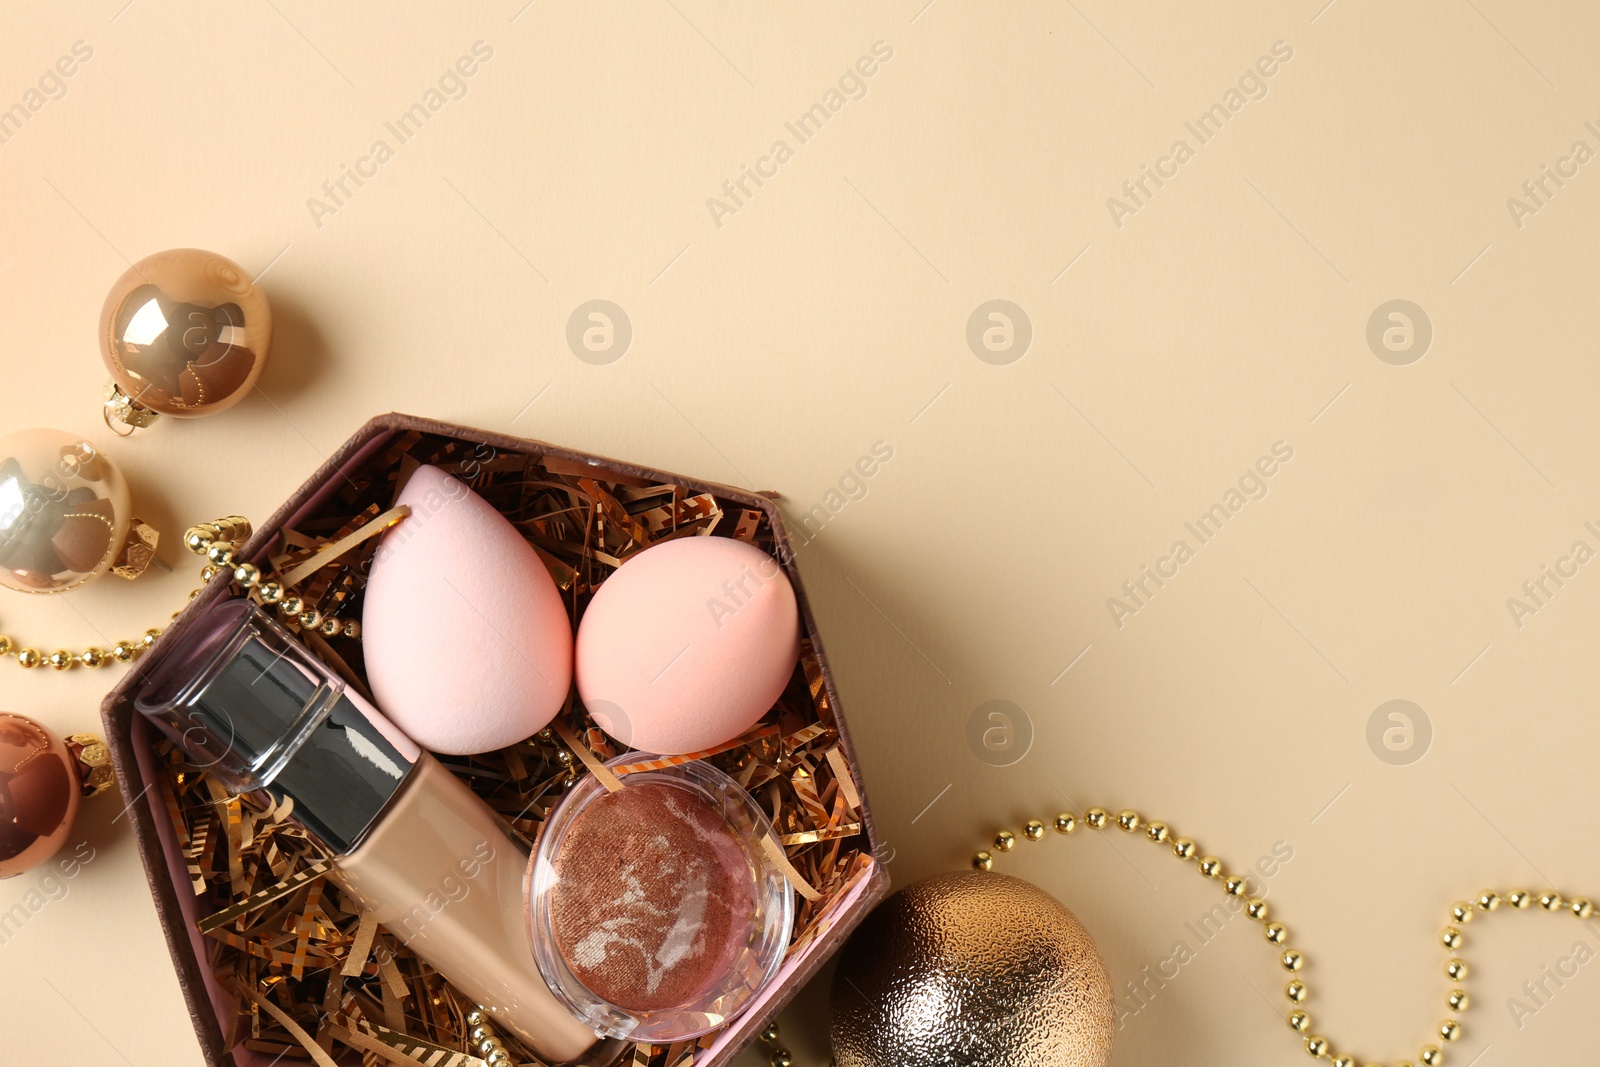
x=828, y=313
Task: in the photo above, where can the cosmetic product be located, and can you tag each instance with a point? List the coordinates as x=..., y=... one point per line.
x=687, y=644
x=656, y=910
x=253, y=708
x=468, y=645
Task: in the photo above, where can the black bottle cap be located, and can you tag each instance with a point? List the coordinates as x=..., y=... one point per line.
x=255, y=709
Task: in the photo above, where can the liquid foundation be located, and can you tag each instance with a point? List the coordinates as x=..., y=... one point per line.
x=409, y=840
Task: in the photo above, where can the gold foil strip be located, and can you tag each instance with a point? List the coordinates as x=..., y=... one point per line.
x=811, y=837
x=265, y=897
x=392, y=1053
x=233, y=812
x=749, y=522
x=800, y=737
x=394, y=1010
x=357, y=960
x=601, y=772
x=781, y=859
x=842, y=775
x=423, y=1051
x=662, y=762
x=271, y=955
x=199, y=853
x=181, y=829
x=614, y=512
x=805, y=787
x=328, y=553
x=814, y=679
x=681, y=1054
x=302, y=929
x=321, y=1058
x=393, y=982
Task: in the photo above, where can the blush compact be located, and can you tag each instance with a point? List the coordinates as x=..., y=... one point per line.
x=656, y=910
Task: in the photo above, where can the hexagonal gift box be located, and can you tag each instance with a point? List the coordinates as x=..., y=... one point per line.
x=284, y=956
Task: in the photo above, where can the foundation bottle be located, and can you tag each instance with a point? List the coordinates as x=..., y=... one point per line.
x=408, y=839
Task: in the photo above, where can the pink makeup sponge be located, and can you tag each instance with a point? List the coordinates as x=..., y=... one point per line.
x=687, y=644
x=468, y=645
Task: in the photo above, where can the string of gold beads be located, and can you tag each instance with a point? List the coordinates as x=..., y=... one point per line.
x=216, y=542
x=1292, y=960
x=93, y=657
x=485, y=1041
x=777, y=1055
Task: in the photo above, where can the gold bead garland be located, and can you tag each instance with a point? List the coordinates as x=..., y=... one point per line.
x=777, y=1055
x=93, y=656
x=1291, y=959
x=485, y=1041
x=215, y=541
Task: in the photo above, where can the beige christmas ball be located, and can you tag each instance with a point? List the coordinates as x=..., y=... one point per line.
x=65, y=512
x=976, y=969
x=184, y=333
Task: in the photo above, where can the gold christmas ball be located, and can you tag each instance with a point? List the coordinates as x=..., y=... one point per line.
x=971, y=968
x=39, y=794
x=183, y=333
x=65, y=512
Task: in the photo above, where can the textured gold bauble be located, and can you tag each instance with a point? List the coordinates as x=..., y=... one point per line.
x=978, y=969
x=183, y=333
x=65, y=514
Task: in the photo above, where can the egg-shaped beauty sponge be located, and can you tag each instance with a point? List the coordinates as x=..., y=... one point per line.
x=468, y=645
x=687, y=644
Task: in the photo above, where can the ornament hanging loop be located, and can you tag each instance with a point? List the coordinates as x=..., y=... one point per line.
x=121, y=410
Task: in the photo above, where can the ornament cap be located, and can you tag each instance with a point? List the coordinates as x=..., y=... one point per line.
x=138, y=552
x=122, y=410
x=92, y=761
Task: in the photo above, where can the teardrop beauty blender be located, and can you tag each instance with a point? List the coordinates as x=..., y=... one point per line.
x=687, y=644
x=468, y=646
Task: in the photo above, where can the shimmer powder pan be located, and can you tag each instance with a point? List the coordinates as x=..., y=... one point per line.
x=656, y=911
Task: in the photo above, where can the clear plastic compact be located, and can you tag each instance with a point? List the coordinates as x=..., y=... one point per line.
x=657, y=910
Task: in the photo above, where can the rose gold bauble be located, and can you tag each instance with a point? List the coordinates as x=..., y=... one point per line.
x=977, y=969
x=184, y=333
x=39, y=794
x=65, y=514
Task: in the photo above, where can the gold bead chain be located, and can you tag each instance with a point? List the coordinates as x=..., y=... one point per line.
x=1292, y=960
x=777, y=1055
x=93, y=657
x=485, y=1041
x=215, y=541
